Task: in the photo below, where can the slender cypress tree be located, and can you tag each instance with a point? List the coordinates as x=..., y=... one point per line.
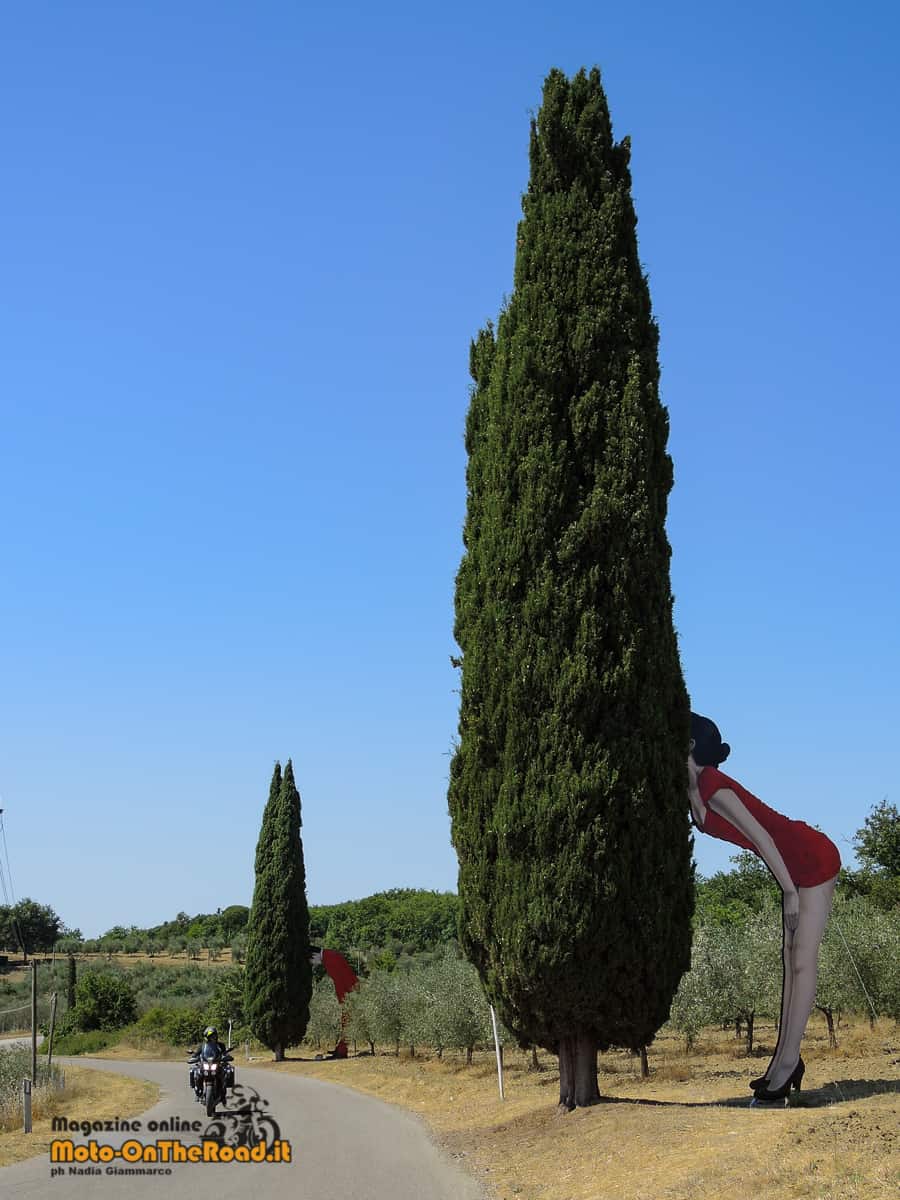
x=278, y=975
x=70, y=984
x=568, y=786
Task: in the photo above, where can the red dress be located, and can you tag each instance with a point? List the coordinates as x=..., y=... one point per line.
x=344, y=979
x=810, y=857
x=342, y=974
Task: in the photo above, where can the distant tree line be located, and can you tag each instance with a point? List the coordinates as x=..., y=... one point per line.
x=398, y=923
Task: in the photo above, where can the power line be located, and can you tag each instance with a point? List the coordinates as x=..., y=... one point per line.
x=10, y=893
x=21, y=1008
x=855, y=968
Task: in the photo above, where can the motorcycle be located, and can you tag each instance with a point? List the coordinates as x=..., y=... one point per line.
x=211, y=1075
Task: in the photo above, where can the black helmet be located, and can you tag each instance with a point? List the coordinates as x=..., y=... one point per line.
x=211, y=1032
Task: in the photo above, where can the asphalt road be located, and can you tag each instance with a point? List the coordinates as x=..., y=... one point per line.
x=344, y=1146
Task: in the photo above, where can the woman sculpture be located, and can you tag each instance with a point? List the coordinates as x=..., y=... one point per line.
x=805, y=864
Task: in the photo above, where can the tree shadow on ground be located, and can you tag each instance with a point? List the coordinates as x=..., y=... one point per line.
x=323, y=1058
x=839, y=1091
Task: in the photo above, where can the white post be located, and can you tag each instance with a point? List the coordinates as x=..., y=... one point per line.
x=230, y=1025
x=497, y=1048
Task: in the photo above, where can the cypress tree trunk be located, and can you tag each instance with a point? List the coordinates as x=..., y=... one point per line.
x=568, y=786
x=578, y=1072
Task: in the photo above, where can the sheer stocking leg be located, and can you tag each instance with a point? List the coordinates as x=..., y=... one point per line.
x=801, y=962
x=787, y=980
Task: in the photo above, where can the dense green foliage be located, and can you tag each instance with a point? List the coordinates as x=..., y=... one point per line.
x=34, y=926
x=181, y=1026
x=103, y=1001
x=278, y=978
x=877, y=846
x=568, y=786
x=402, y=920
x=71, y=1042
x=878, y=842
x=227, y=1004
x=729, y=897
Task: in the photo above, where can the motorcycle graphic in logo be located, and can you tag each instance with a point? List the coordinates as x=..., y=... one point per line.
x=247, y=1124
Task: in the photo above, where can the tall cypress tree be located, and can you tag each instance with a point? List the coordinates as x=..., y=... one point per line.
x=278, y=975
x=568, y=786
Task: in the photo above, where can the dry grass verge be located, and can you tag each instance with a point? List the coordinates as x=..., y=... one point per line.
x=686, y=1133
x=88, y=1095
x=145, y=1049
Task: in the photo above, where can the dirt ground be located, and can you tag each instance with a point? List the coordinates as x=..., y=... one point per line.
x=686, y=1132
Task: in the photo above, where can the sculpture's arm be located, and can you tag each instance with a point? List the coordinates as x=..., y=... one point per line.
x=730, y=806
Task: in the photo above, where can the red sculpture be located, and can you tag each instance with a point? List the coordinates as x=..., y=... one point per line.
x=344, y=979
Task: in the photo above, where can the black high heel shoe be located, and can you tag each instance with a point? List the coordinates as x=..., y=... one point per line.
x=756, y=1084
x=764, y=1096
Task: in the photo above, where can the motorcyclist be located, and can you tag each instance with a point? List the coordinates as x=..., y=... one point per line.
x=210, y=1038
x=210, y=1035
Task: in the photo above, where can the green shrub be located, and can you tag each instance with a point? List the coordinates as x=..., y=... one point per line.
x=103, y=1001
x=184, y=1026
x=153, y=1022
x=84, y=1043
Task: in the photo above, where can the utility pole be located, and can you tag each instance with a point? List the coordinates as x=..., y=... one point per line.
x=34, y=1020
x=499, y=1054
x=50, y=1039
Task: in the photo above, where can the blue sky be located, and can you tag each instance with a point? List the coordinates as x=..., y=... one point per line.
x=243, y=249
